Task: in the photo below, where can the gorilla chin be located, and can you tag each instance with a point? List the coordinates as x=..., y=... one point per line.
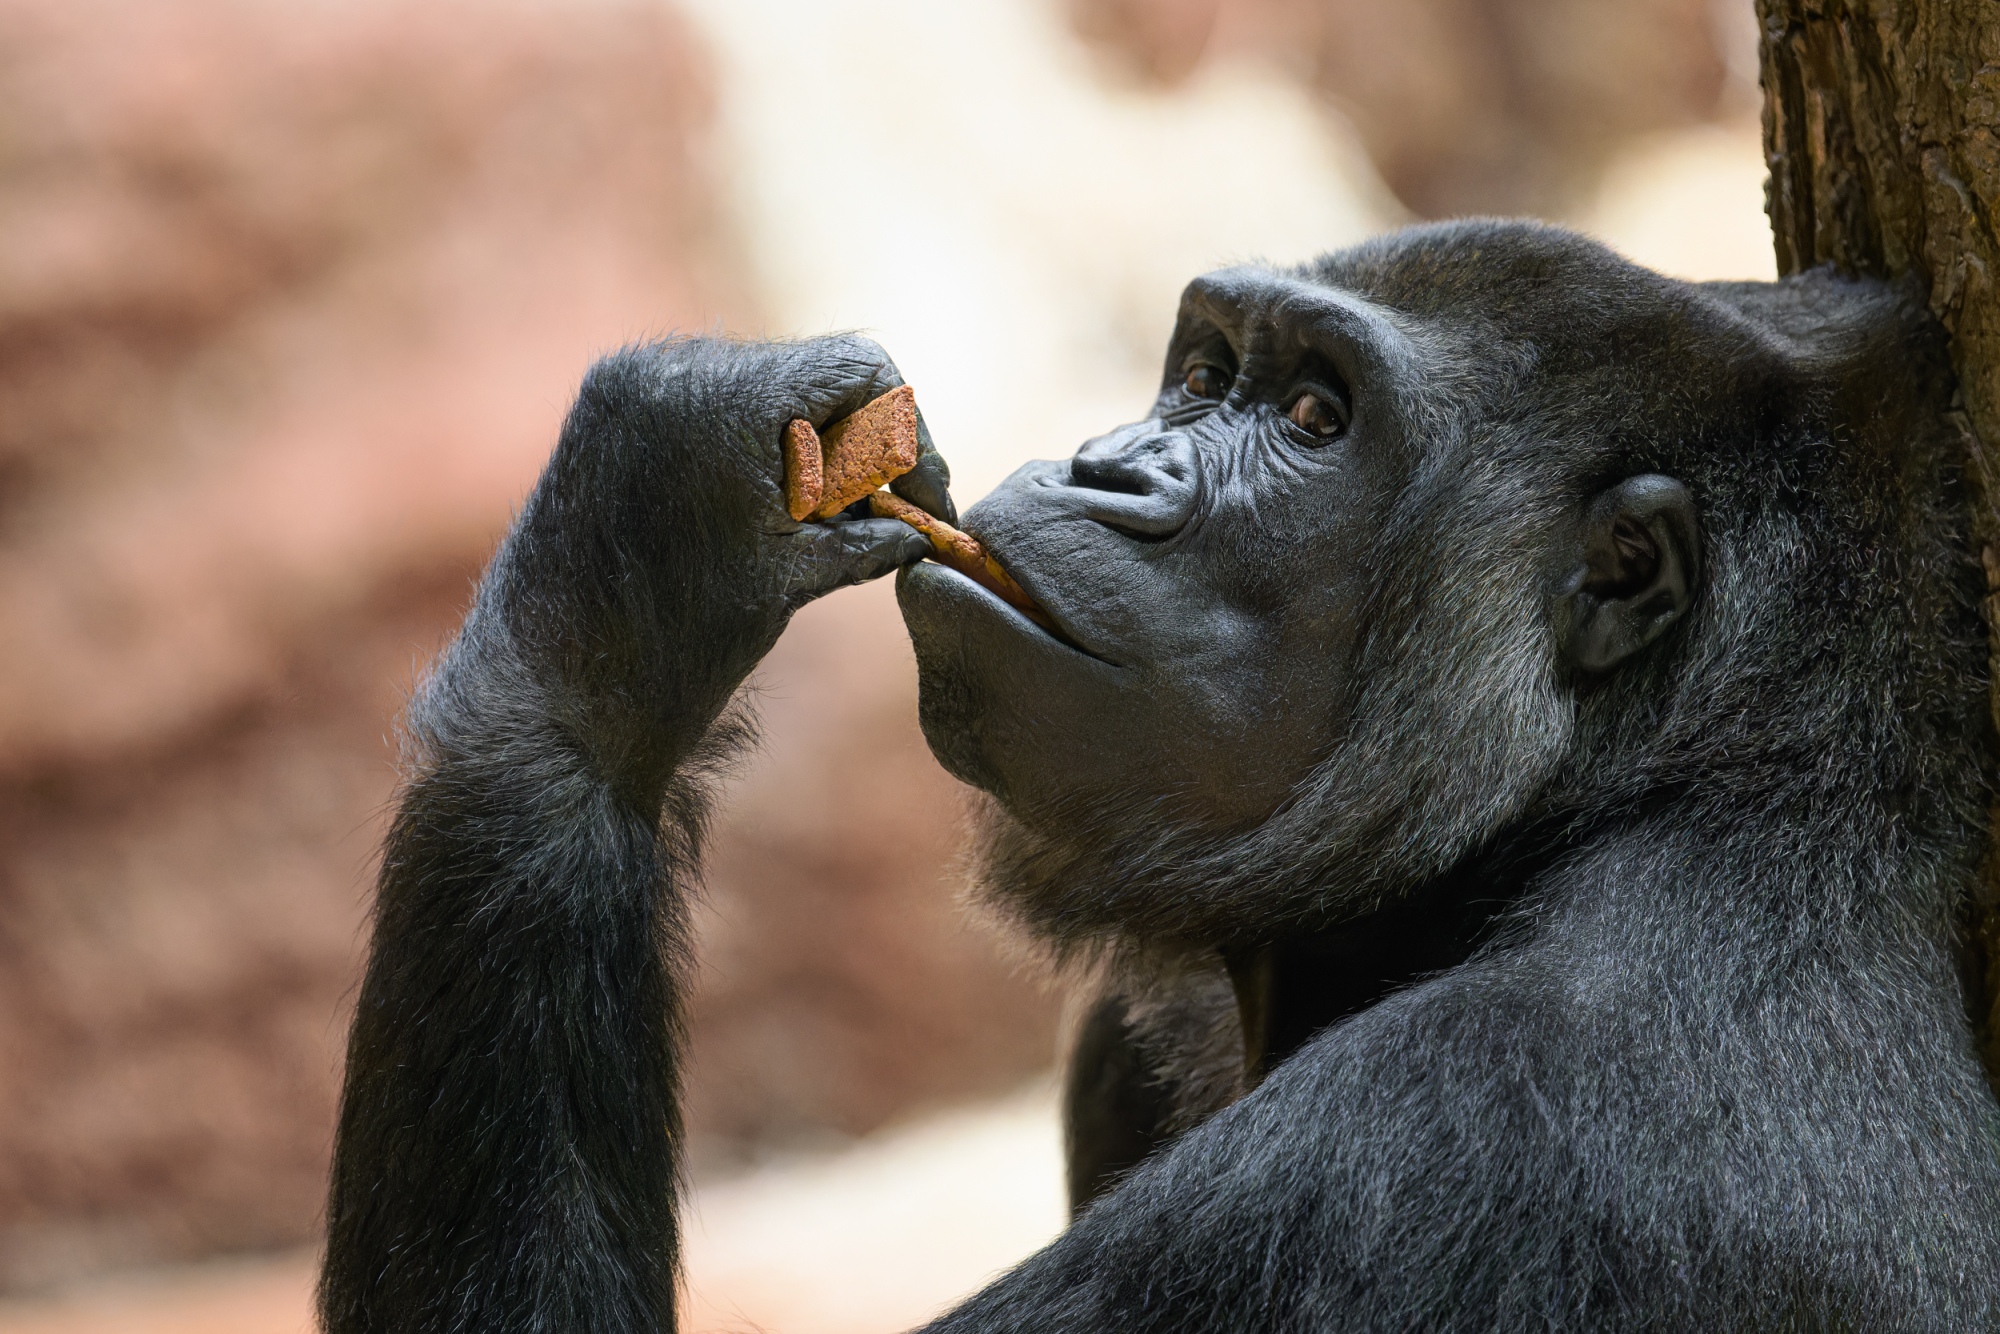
x=1034, y=722
x=1139, y=662
x=968, y=639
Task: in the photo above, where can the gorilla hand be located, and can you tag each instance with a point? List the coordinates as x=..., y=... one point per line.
x=656, y=564
x=754, y=390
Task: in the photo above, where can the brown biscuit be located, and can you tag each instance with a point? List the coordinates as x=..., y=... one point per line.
x=804, y=480
x=870, y=448
x=961, y=551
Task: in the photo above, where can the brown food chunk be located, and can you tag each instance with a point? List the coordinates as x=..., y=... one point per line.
x=873, y=446
x=805, y=481
x=961, y=551
x=870, y=448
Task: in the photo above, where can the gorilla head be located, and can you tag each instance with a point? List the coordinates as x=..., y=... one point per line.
x=1426, y=542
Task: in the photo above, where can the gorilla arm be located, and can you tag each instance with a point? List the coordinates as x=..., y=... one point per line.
x=507, y=1149
x=1313, y=1201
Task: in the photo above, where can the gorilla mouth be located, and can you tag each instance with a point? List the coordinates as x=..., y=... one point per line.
x=1047, y=625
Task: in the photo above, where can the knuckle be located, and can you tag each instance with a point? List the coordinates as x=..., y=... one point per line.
x=682, y=368
x=851, y=360
x=857, y=347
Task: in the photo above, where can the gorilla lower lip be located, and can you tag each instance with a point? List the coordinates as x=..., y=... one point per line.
x=959, y=551
x=1040, y=622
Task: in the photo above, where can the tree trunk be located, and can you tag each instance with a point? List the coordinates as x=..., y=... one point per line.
x=1882, y=131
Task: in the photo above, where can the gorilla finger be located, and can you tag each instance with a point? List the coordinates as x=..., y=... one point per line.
x=870, y=548
x=928, y=485
x=842, y=372
x=834, y=555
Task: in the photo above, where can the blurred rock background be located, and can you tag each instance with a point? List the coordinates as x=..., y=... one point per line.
x=289, y=299
x=292, y=296
x=1468, y=106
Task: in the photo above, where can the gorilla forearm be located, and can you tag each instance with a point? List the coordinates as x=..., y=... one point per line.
x=507, y=1137
x=511, y=1083
x=507, y=1149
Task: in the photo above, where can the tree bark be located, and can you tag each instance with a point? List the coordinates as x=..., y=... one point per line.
x=1882, y=132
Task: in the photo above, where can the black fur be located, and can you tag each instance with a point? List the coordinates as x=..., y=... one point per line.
x=1562, y=1000
x=1710, y=1067
x=508, y=1141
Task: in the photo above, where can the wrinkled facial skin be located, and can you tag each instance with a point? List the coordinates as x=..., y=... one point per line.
x=1205, y=570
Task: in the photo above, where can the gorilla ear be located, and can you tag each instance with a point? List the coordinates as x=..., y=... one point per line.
x=1637, y=558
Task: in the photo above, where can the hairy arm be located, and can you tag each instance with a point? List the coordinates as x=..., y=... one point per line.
x=507, y=1152
x=1355, y=1189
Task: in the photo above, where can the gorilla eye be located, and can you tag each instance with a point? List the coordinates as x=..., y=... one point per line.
x=1321, y=418
x=1207, y=381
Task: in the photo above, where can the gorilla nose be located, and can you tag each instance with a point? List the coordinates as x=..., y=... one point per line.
x=1144, y=480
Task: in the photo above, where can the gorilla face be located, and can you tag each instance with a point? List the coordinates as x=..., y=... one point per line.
x=1203, y=569
x=1316, y=622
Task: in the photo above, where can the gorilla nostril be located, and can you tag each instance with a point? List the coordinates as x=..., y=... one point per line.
x=1143, y=481
x=1147, y=477
x=1117, y=481
x=1103, y=469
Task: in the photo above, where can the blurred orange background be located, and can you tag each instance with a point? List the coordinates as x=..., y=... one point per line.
x=293, y=294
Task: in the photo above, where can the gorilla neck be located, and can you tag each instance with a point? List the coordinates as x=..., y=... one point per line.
x=1290, y=989
x=1293, y=986
x=1292, y=975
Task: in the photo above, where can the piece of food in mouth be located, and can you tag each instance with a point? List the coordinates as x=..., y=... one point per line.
x=960, y=551
x=869, y=448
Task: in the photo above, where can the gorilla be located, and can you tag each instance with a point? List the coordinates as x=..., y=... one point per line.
x=1507, y=752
